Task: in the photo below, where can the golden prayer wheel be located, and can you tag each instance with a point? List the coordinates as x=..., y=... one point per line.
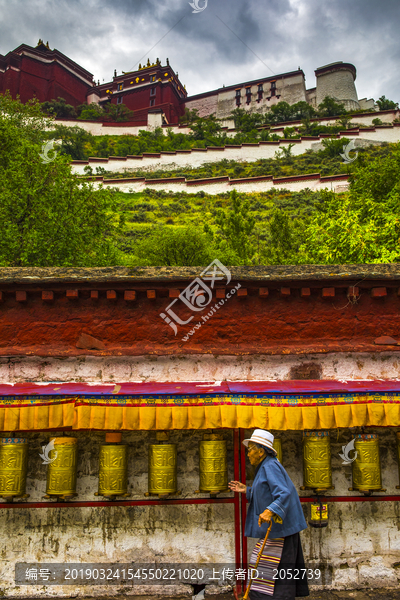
x=162, y=469
x=366, y=466
x=317, y=460
x=398, y=455
x=213, y=466
x=319, y=514
x=113, y=472
x=278, y=447
x=13, y=467
x=61, y=472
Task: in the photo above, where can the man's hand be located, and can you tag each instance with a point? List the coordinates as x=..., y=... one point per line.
x=265, y=517
x=237, y=486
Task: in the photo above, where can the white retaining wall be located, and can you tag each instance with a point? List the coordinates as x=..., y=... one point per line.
x=245, y=153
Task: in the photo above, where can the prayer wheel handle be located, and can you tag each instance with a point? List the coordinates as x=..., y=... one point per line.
x=246, y=594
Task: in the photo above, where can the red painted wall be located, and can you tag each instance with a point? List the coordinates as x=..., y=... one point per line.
x=251, y=324
x=30, y=76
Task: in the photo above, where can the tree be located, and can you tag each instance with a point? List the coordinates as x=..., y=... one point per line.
x=59, y=108
x=117, y=112
x=49, y=216
x=206, y=128
x=190, y=116
x=330, y=108
x=362, y=226
x=334, y=146
x=302, y=110
x=285, y=240
x=175, y=247
x=91, y=112
x=74, y=140
x=245, y=121
x=278, y=113
x=385, y=104
x=236, y=227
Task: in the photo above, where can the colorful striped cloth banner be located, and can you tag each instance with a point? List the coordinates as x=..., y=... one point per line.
x=269, y=561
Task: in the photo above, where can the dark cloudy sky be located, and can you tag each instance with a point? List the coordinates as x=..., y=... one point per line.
x=218, y=45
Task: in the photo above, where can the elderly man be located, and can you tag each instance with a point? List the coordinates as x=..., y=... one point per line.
x=273, y=496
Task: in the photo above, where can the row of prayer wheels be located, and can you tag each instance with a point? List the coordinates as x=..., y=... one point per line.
x=366, y=467
x=113, y=468
x=162, y=473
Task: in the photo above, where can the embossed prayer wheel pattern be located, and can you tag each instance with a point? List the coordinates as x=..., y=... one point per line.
x=213, y=466
x=61, y=473
x=162, y=469
x=13, y=467
x=113, y=472
x=367, y=467
x=278, y=447
x=317, y=460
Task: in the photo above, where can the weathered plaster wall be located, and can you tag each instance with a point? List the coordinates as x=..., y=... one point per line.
x=338, y=84
x=290, y=89
x=361, y=544
x=205, y=105
x=221, y=187
x=203, y=368
x=137, y=534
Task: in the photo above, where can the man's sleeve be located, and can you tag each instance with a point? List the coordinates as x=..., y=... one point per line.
x=279, y=490
x=248, y=492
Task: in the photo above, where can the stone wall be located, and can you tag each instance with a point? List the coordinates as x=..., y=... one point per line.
x=345, y=366
x=247, y=153
x=338, y=84
x=135, y=534
x=360, y=547
x=206, y=105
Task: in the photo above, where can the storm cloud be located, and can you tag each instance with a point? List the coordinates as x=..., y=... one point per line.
x=228, y=42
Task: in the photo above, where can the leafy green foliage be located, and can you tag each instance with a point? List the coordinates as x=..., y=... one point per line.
x=190, y=116
x=362, y=226
x=179, y=246
x=386, y=104
x=282, y=111
x=49, y=217
x=285, y=239
x=58, y=108
x=118, y=113
x=330, y=108
x=236, y=226
x=206, y=129
x=246, y=121
x=91, y=112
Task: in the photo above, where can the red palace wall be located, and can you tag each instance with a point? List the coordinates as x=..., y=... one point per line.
x=45, y=81
x=48, y=74
x=165, y=98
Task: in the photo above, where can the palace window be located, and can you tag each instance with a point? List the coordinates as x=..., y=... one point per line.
x=273, y=88
x=153, y=91
x=260, y=92
x=248, y=95
x=120, y=87
x=120, y=100
x=238, y=97
x=152, y=78
x=152, y=102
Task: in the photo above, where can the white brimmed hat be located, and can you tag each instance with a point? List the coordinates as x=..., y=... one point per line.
x=262, y=437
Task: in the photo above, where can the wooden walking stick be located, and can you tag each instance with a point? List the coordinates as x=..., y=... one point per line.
x=246, y=594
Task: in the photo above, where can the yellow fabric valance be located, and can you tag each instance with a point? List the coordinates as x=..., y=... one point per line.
x=116, y=413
